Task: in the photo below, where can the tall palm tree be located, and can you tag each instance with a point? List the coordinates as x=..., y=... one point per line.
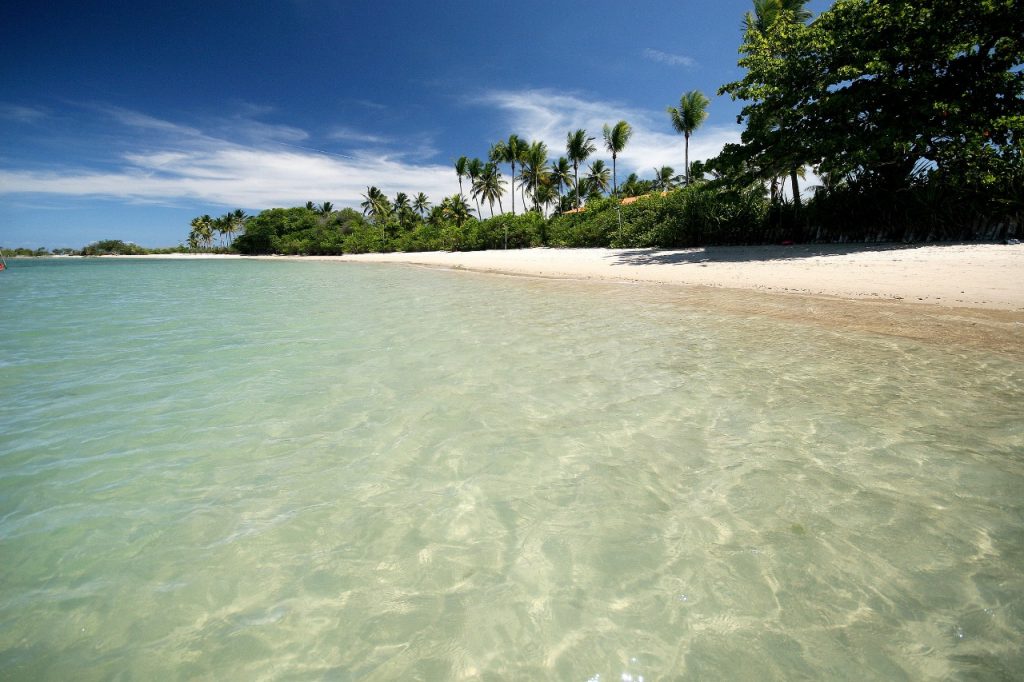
x=237, y=224
x=615, y=139
x=376, y=205
x=460, y=170
x=560, y=174
x=402, y=209
x=693, y=109
x=202, y=231
x=489, y=186
x=473, y=170
x=598, y=176
x=222, y=226
x=421, y=204
x=578, y=147
x=509, y=152
x=535, y=168
x=545, y=194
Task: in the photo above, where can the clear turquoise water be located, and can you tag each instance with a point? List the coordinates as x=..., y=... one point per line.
x=276, y=470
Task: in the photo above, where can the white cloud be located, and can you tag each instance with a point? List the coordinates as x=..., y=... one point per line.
x=668, y=58
x=549, y=116
x=185, y=163
x=353, y=135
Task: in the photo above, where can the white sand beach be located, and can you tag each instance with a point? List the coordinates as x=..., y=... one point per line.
x=970, y=276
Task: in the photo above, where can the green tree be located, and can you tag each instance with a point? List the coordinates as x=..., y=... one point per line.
x=665, y=179
x=421, y=203
x=489, y=186
x=872, y=90
x=403, y=210
x=764, y=16
x=474, y=169
x=578, y=148
x=375, y=204
x=692, y=110
x=509, y=152
x=461, y=165
x=202, y=231
x=535, y=169
x=561, y=175
x=615, y=139
x=598, y=176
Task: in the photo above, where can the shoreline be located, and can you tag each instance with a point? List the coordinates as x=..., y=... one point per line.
x=969, y=295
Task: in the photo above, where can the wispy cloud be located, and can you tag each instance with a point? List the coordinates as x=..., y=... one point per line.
x=668, y=58
x=258, y=168
x=21, y=114
x=549, y=116
x=352, y=135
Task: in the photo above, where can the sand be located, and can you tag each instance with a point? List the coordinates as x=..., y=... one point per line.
x=968, y=276
x=957, y=294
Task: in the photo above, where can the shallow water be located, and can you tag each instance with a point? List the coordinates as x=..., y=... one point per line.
x=278, y=470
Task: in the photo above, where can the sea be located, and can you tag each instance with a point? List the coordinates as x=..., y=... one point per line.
x=279, y=470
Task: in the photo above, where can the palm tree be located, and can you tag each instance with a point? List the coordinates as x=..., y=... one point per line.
x=222, y=226
x=598, y=176
x=509, y=152
x=691, y=113
x=665, y=178
x=310, y=206
x=421, y=204
x=473, y=170
x=460, y=170
x=236, y=224
x=489, y=186
x=545, y=194
x=456, y=209
x=578, y=148
x=615, y=139
x=202, y=231
x=766, y=12
x=376, y=205
x=402, y=209
x=325, y=209
x=634, y=186
x=535, y=167
x=560, y=174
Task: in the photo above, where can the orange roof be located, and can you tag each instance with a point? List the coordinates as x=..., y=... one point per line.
x=581, y=209
x=629, y=200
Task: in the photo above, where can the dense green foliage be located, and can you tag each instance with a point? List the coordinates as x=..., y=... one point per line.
x=911, y=112
x=113, y=247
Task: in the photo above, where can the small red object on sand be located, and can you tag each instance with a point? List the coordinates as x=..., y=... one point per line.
x=788, y=242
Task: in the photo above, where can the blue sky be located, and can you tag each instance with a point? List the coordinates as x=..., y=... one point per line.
x=124, y=120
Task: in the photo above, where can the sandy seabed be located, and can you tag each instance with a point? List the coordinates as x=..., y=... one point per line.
x=963, y=294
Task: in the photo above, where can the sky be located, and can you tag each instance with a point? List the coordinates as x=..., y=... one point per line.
x=124, y=120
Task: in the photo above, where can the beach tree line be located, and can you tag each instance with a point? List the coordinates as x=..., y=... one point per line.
x=910, y=114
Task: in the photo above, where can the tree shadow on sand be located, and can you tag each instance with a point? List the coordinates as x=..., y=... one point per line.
x=749, y=254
